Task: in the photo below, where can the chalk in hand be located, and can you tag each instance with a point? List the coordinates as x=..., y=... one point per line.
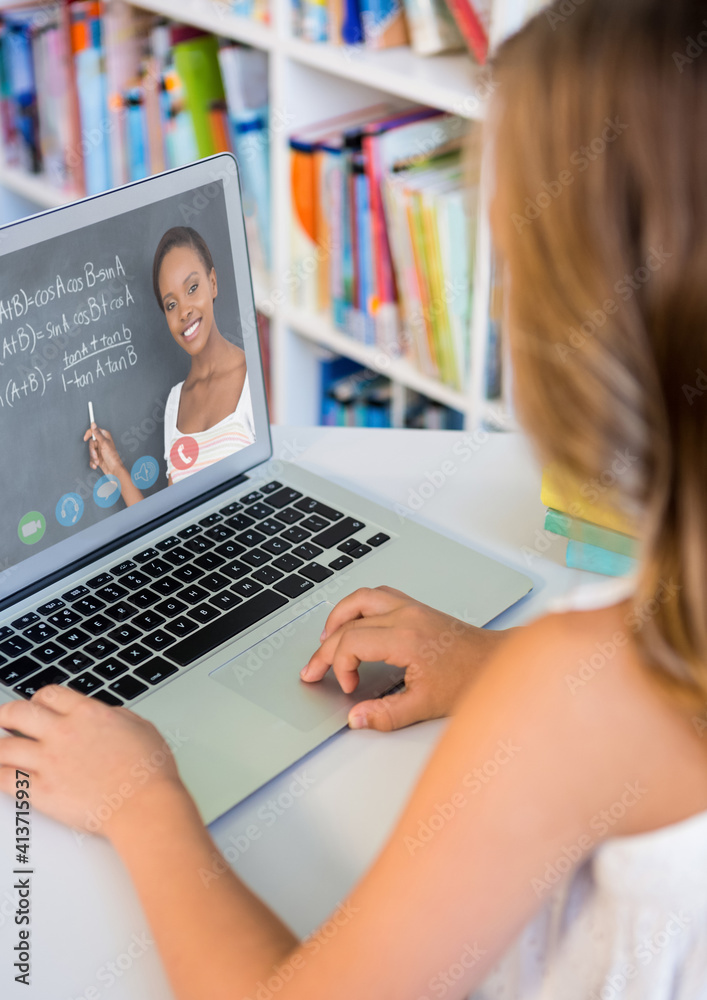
x=90, y=418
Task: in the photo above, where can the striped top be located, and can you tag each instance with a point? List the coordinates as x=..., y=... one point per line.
x=229, y=435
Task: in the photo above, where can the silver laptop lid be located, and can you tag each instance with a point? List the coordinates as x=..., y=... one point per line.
x=80, y=322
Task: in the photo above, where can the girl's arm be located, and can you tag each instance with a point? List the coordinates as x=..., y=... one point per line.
x=516, y=783
x=104, y=455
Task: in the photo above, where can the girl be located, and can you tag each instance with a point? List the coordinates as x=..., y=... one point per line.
x=579, y=869
x=209, y=415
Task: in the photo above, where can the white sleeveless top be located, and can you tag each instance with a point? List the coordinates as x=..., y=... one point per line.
x=631, y=922
x=229, y=435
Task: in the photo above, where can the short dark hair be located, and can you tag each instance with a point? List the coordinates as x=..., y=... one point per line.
x=178, y=236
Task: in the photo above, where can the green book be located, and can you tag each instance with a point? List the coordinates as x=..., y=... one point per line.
x=196, y=62
x=592, y=534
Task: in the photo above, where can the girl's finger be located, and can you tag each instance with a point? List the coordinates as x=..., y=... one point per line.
x=322, y=658
x=18, y=753
x=358, y=645
x=392, y=711
x=60, y=699
x=30, y=718
x=361, y=603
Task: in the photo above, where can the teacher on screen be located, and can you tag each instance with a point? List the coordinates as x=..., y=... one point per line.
x=209, y=415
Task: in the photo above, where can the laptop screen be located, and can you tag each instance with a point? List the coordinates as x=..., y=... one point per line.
x=133, y=308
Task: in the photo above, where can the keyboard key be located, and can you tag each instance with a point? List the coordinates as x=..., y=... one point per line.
x=240, y=522
x=307, y=551
x=289, y=515
x=99, y=581
x=226, y=627
x=5, y=632
x=74, y=637
x=293, y=586
x=270, y=487
x=155, y=671
x=214, y=582
x=350, y=543
x=220, y=533
x=158, y=640
x=89, y=605
x=209, y=561
x=193, y=594
x=190, y=531
x=236, y=570
x=85, y=683
x=210, y=519
x=246, y=588
x=338, y=532
x=287, y=562
x=229, y=550
x=107, y=697
x=50, y=607
x=167, y=543
x=134, y=654
x=134, y=580
x=316, y=572
x=29, y=619
x=181, y=627
x=204, y=614
x=311, y=506
x=128, y=687
x=64, y=618
x=267, y=575
x=121, y=612
x=14, y=646
x=39, y=632
x=97, y=624
x=250, y=538
x=361, y=550
x=171, y=607
x=52, y=675
x=110, y=668
x=17, y=671
x=123, y=635
x=378, y=539
x=47, y=653
x=256, y=557
x=148, y=620
x=178, y=556
x=188, y=574
x=157, y=568
x=283, y=497
x=231, y=508
x=225, y=600
x=341, y=562
x=75, y=593
x=75, y=662
x=166, y=586
x=124, y=567
x=276, y=546
x=315, y=523
x=101, y=648
x=251, y=497
x=111, y=592
x=146, y=555
x=260, y=510
x=295, y=535
x=199, y=545
x=144, y=598
x=269, y=526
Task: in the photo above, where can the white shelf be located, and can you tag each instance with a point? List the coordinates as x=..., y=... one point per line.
x=318, y=329
x=213, y=16
x=450, y=82
x=34, y=187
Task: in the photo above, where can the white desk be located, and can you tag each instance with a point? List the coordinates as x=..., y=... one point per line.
x=309, y=850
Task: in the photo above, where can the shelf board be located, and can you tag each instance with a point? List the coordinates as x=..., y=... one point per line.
x=214, y=16
x=451, y=82
x=319, y=330
x=34, y=187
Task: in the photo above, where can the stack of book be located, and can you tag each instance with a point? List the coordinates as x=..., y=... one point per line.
x=429, y=26
x=383, y=232
x=95, y=95
x=600, y=539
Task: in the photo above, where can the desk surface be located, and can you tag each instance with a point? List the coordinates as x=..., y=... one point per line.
x=302, y=852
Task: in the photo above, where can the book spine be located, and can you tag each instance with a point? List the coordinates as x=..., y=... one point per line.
x=471, y=28
x=582, y=555
x=585, y=531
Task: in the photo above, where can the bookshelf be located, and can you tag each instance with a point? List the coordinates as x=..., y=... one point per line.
x=307, y=83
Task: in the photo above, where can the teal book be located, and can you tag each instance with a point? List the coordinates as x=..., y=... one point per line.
x=582, y=555
x=594, y=534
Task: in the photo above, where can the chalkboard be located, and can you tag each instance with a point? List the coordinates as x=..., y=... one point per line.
x=79, y=321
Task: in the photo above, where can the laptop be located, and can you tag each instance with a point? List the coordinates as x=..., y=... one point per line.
x=160, y=557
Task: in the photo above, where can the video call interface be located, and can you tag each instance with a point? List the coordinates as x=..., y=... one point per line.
x=122, y=369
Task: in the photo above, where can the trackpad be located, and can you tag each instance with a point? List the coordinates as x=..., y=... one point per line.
x=267, y=674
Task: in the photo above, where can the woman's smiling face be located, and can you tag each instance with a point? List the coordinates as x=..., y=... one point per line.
x=188, y=294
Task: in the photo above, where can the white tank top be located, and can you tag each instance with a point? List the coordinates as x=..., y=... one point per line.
x=631, y=921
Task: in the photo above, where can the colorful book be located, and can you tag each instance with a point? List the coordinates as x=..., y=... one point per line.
x=473, y=19
x=384, y=23
x=590, y=501
x=593, y=534
x=582, y=555
x=196, y=61
x=432, y=27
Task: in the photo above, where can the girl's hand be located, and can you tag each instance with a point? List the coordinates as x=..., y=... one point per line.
x=439, y=654
x=91, y=766
x=103, y=452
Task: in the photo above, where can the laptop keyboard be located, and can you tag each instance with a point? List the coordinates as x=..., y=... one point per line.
x=132, y=627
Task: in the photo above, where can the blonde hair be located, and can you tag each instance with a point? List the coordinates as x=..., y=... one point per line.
x=600, y=139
